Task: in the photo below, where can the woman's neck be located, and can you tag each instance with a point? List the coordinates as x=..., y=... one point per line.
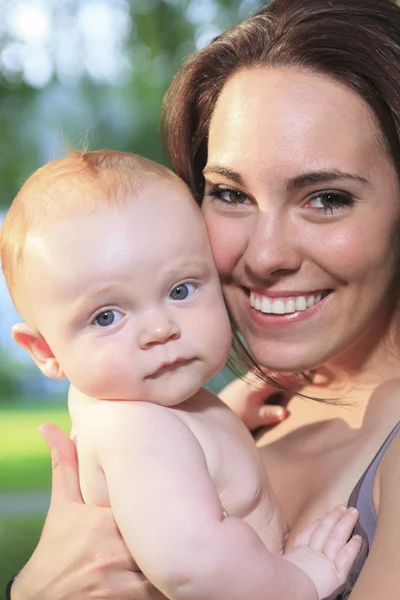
x=369, y=362
x=358, y=391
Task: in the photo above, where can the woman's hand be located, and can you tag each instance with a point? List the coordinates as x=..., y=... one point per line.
x=80, y=555
x=247, y=398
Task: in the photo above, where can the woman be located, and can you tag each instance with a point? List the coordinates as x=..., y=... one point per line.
x=287, y=130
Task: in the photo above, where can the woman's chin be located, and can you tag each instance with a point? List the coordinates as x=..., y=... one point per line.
x=284, y=360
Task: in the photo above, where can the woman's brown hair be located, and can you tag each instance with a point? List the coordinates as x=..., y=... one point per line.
x=356, y=42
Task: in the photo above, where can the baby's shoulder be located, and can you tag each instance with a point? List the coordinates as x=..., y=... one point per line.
x=116, y=416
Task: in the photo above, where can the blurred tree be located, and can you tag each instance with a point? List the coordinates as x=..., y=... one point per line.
x=96, y=67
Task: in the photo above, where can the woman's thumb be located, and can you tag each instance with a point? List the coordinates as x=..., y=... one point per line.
x=65, y=475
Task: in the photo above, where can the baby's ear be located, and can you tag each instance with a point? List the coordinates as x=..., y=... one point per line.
x=35, y=345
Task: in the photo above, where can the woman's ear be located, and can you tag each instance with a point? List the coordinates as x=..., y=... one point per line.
x=35, y=345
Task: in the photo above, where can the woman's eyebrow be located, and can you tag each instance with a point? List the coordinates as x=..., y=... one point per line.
x=228, y=173
x=305, y=179
x=296, y=182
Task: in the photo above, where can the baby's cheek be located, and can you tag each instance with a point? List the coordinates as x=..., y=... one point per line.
x=94, y=374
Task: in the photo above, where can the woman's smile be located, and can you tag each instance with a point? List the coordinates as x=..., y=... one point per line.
x=281, y=303
x=280, y=309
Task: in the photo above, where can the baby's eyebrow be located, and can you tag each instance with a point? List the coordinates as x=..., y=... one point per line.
x=196, y=265
x=89, y=298
x=305, y=179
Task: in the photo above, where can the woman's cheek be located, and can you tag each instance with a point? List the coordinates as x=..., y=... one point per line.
x=228, y=242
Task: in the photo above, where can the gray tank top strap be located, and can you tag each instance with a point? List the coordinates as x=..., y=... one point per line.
x=364, y=501
x=361, y=497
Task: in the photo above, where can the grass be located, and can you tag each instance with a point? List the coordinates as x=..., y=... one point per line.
x=24, y=467
x=24, y=457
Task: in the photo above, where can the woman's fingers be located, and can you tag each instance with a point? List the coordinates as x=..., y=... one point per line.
x=65, y=476
x=247, y=398
x=267, y=414
x=80, y=553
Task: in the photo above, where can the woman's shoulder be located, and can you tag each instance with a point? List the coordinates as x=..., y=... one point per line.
x=388, y=471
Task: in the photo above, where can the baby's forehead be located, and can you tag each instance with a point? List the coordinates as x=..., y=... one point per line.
x=74, y=207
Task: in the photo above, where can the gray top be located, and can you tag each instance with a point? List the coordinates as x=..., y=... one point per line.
x=361, y=498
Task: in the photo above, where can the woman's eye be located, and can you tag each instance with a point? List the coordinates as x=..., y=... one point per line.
x=226, y=195
x=182, y=291
x=330, y=201
x=107, y=318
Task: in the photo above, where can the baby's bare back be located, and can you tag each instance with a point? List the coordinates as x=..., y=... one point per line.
x=235, y=467
x=232, y=459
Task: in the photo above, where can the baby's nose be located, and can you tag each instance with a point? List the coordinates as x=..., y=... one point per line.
x=158, y=332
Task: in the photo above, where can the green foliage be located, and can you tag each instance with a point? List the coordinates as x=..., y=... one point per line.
x=24, y=468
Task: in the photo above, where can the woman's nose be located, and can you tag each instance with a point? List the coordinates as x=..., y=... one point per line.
x=273, y=247
x=158, y=330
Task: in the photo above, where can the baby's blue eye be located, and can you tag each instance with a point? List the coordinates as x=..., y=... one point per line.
x=107, y=318
x=182, y=291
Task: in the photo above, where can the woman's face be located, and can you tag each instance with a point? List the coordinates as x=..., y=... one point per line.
x=302, y=206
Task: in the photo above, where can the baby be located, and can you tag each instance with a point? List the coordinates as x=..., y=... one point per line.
x=107, y=259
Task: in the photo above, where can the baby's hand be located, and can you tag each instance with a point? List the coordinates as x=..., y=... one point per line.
x=323, y=552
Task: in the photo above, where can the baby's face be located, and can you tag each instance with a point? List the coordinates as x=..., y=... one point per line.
x=129, y=299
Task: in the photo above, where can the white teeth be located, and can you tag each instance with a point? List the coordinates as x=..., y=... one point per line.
x=282, y=306
x=266, y=306
x=278, y=307
x=301, y=303
x=290, y=306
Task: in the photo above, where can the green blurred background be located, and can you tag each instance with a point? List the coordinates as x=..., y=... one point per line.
x=79, y=72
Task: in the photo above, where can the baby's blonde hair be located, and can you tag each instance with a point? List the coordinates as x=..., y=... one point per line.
x=71, y=185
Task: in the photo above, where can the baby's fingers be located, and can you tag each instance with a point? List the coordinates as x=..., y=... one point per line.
x=304, y=537
x=347, y=556
x=331, y=533
x=340, y=532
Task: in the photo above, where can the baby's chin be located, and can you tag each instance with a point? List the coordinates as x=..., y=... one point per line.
x=171, y=397
x=172, y=390
x=169, y=386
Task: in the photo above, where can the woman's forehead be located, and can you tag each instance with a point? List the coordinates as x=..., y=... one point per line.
x=292, y=115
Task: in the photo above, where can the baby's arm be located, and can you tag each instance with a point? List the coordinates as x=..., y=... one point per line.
x=171, y=518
